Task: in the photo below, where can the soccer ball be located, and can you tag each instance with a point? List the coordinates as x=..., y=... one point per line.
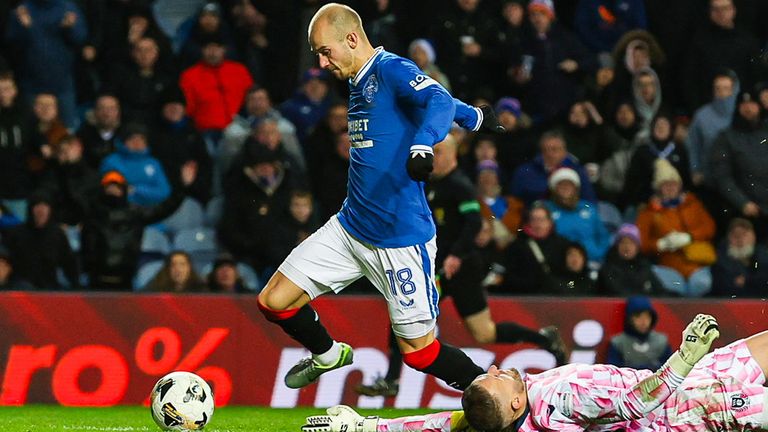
x=181, y=401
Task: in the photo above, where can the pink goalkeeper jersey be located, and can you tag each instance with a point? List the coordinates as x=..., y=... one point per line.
x=724, y=392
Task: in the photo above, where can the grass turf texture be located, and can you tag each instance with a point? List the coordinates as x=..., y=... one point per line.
x=252, y=419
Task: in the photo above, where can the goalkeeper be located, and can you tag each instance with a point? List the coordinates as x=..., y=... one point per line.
x=691, y=392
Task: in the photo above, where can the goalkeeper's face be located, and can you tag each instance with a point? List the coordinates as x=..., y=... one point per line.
x=507, y=388
x=334, y=50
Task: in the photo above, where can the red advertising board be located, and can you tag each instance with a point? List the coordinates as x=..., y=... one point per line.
x=107, y=349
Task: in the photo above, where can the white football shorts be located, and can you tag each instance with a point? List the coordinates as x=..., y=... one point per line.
x=331, y=259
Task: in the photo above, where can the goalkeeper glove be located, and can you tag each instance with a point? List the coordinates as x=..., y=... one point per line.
x=420, y=161
x=490, y=122
x=697, y=338
x=340, y=418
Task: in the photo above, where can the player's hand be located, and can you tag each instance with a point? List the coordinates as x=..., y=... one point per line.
x=420, y=162
x=340, y=418
x=697, y=338
x=451, y=266
x=490, y=122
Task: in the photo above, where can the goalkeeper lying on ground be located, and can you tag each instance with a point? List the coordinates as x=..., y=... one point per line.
x=724, y=391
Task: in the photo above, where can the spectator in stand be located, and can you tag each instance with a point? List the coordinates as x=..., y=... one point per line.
x=575, y=279
x=530, y=180
x=46, y=131
x=601, y=23
x=639, y=346
x=536, y=256
x=69, y=180
x=250, y=34
x=292, y=227
x=553, y=64
x=576, y=219
x=46, y=36
x=422, y=53
x=739, y=161
x=113, y=228
x=16, y=180
x=39, y=248
x=8, y=279
x=718, y=44
x=329, y=177
x=677, y=231
x=661, y=145
x=516, y=144
x=505, y=213
x=101, y=130
x=257, y=107
x=466, y=41
x=267, y=134
x=140, y=84
x=708, y=122
x=256, y=196
x=484, y=148
x=741, y=269
x=209, y=23
x=582, y=132
x=148, y=183
x=635, y=51
x=130, y=22
x=225, y=278
x=510, y=39
x=176, y=143
x=646, y=91
x=310, y=103
x=620, y=137
x=626, y=271
x=177, y=275
x=214, y=87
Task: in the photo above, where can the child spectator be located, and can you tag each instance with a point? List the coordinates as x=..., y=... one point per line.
x=626, y=271
x=177, y=275
x=639, y=346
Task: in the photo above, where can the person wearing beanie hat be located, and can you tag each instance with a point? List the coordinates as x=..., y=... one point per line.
x=543, y=6
x=575, y=218
x=423, y=54
x=639, y=346
x=225, y=276
x=311, y=102
x=677, y=231
x=39, y=248
x=626, y=270
x=509, y=104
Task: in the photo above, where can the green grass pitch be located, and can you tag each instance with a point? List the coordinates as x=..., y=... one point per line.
x=252, y=419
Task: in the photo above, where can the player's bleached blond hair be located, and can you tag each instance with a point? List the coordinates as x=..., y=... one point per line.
x=342, y=18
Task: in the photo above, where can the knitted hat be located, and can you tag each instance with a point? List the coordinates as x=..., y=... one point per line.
x=544, y=6
x=562, y=174
x=663, y=172
x=426, y=46
x=314, y=73
x=110, y=177
x=487, y=165
x=509, y=104
x=630, y=231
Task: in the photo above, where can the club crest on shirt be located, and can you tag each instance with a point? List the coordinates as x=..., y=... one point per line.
x=370, y=88
x=739, y=402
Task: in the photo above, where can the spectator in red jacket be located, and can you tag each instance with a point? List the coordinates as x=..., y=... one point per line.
x=214, y=87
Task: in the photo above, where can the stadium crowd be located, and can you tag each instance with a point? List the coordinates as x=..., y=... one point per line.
x=185, y=145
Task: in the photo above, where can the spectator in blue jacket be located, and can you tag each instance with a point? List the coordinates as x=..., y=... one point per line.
x=529, y=182
x=149, y=185
x=639, y=346
x=47, y=35
x=576, y=219
x=310, y=104
x=601, y=23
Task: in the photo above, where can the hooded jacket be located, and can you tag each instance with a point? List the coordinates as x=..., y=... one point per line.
x=142, y=171
x=529, y=182
x=639, y=350
x=622, y=277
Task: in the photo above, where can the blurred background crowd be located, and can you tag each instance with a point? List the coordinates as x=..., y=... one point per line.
x=189, y=145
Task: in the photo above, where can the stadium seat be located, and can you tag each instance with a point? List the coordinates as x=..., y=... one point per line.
x=213, y=211
x=199, y=243
x=250, y=278
x=146, y=273
x=188, y=216
x=610, y=215
x=154, y=245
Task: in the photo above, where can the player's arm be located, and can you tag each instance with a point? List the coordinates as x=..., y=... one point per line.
x=476, y=118
x=343, y=418
x=413, y=88
x=591, y=404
